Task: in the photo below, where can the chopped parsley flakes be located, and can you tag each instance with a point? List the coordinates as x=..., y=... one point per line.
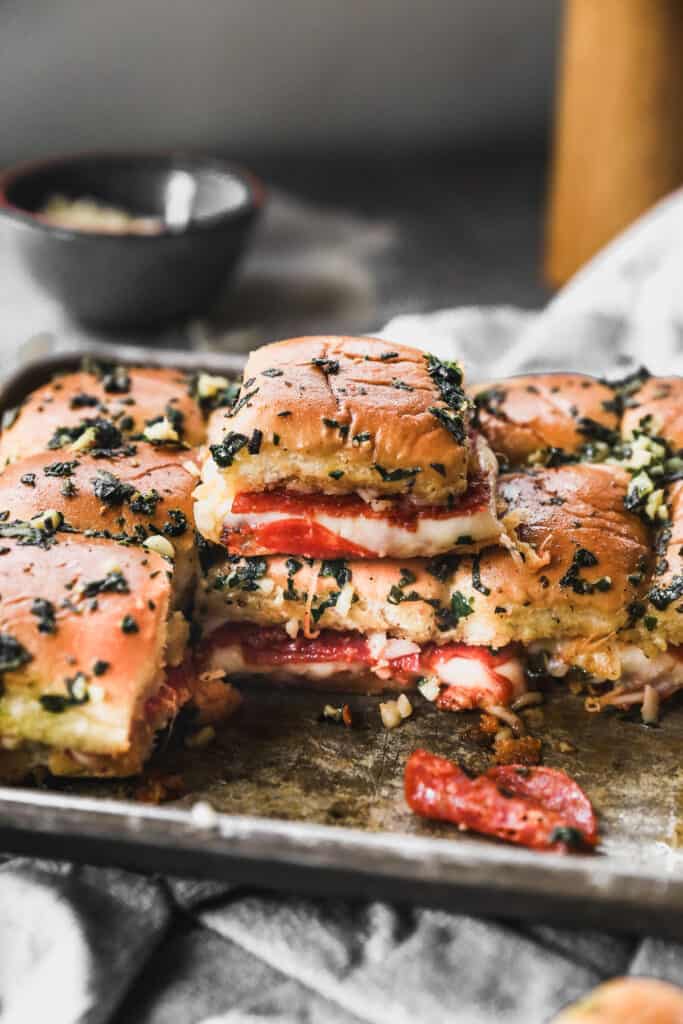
x=44, y=611
x=76, y=693
x=225, y=452
x=583, y=559
x=328, y=366
x=12, y=654
x=393, y=475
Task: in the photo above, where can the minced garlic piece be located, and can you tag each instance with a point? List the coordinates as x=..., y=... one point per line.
x=405, y=708
x=209, y=386
x=48, y=521
x=429, y=687
x=86, y=441
x=161, y=545
x=391, y=716
x=162, y=430
x=654, y=507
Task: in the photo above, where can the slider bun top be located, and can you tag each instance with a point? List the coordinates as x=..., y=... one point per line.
x=522, y=417
x=658, y=406
x=138, y=496
x=63, y=616
x=127, y=397
x=573, y=533
x=345, y=406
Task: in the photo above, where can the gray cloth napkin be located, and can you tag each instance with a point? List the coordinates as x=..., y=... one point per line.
x=98, y=945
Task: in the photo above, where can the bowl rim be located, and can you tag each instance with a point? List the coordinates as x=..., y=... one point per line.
x=251, y=205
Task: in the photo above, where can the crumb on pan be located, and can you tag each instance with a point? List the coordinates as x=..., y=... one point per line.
x=394, y=711
x=159, y=789
x=523, y=750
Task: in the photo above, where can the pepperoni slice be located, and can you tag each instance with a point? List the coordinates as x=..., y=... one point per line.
x=295, y=536
x=272, y=646
x=400, y=510
x=552, y=788
x=437, y=788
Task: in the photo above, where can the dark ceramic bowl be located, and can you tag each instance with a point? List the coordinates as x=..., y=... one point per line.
x=206, y=208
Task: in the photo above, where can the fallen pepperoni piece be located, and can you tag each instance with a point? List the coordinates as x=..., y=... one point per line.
x=437, y=788
x=552, y=788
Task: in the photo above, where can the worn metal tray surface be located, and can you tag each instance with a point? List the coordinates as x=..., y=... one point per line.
x=310, y=806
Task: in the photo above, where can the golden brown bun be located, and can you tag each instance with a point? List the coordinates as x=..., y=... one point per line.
x=112, y=495
x=662, y=621
x=556, y=512
x=362, y=387
x=225, y=596
x=107, y=603
x=62, y=403
x=524, y=416
x=660, y=398
x=588, y=560
x=625, y=1000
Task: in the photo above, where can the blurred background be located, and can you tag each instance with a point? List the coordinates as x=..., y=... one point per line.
x=248, y=76
x=406, y=147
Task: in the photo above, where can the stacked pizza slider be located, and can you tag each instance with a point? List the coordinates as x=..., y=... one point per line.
x=347, y=486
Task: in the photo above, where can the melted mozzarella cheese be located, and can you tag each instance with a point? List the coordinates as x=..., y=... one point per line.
x=382, y=537
x=664, y=672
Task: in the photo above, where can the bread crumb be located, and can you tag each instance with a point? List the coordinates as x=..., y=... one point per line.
x=489, y=724
x=524, y=750
x=160, y=789
x=201, y=738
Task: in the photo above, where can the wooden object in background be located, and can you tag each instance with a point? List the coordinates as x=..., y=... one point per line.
x=619, y=123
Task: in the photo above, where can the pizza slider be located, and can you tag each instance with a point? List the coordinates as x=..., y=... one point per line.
x=347, y=447
x=141, y=497
x=544, y=419
x=90, y=667
x=101, y=409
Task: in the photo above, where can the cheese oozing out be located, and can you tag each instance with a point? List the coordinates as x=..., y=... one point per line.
x=352, y=526
x=626, y=672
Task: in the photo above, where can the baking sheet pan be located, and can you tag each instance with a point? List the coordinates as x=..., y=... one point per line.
x=309, y=806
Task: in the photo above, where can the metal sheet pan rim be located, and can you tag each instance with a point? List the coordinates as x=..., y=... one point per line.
x=307, y=836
